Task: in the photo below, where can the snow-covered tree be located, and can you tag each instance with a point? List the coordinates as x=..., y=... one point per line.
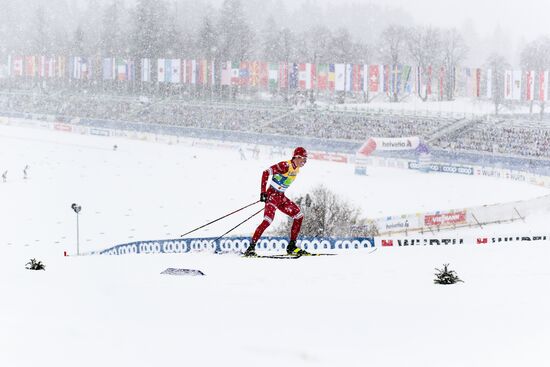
x=498, y=65
x=341, y=46
x=424, y=47
x=235, y=35
x=110, y=40
x=535, y=56
x=392, y=49
x=453, y=51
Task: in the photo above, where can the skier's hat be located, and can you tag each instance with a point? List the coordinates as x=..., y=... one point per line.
x=300, y=152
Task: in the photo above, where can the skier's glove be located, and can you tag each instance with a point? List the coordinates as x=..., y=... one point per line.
x=263, y=197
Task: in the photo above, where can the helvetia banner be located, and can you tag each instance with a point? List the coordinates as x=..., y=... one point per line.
x=372, y=144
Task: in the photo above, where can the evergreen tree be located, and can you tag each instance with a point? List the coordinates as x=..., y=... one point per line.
x=148, y=29
x=235, y=35
x=110, y=41
x=207, y=40
x=270, y=45
x=40, y=42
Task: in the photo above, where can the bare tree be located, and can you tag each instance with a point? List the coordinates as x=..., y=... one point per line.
x=497, y=64
x=392, y=50
x=424, y=46
x=453, y=51
x=535, y=56
x=341, y=46
x=287, y=41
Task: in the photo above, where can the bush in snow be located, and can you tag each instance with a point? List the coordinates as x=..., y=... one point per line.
x=35, y=265
x=446, y=276
x=327, y=215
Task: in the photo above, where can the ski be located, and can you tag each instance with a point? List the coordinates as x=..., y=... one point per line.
x=272, y=256
x=321, y=254
x=285, y=256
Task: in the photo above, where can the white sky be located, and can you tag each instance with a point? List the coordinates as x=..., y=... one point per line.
x=528, y=18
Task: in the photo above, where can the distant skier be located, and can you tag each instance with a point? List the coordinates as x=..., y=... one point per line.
x=256, y=152
x=115, y=147
x=25, y=172
x=283, y=174
x=241, y=152
x=5, y=176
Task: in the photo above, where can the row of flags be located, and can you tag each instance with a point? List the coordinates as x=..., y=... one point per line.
x=372, y=78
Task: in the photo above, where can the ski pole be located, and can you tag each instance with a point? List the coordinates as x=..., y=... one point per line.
x=204, y=225
x=246, y=220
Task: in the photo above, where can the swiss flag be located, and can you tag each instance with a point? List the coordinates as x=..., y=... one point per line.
x=374, y=78
x=482, y=240
x=387, y=243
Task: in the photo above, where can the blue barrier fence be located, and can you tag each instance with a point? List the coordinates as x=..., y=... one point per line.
x=237, y=244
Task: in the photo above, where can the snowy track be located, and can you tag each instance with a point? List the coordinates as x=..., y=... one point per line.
x=379, y=309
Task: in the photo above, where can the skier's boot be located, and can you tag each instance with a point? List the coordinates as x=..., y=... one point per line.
x=251, y=250
x=294, y=250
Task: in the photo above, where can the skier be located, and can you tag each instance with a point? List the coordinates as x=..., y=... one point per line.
x=282, y=176
x=25, y=173
x=241, y=152
x=5, y=176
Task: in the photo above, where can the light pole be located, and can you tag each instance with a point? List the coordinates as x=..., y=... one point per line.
x=77, y=208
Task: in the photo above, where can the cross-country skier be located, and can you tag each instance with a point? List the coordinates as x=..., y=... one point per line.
x=5, y=176
x=282, y=176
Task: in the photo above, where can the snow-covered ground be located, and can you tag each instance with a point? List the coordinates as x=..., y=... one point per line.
x=378, y=308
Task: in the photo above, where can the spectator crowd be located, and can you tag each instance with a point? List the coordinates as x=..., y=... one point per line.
x=507, y=138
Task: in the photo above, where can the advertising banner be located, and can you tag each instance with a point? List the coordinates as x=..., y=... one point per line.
x=445, y=219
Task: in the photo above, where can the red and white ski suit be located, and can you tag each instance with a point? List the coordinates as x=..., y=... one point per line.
x=276, y=199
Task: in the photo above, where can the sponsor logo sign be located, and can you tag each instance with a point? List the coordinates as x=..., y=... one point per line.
x=63, y=127
x=516, y=176
x=99, y=132
x=463, y=170
x=423, y=242
x=329, y=157
x=392, y=224
x=445, y=219
x=397, y=143
x=519, y=239
x=237, y=244
x=387, y=243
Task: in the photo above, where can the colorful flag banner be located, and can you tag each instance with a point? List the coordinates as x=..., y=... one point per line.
x=489, y=83
x=543, y=86
x=340, y=77
x=145, y=70
x=530, y=85
x=516, y=85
